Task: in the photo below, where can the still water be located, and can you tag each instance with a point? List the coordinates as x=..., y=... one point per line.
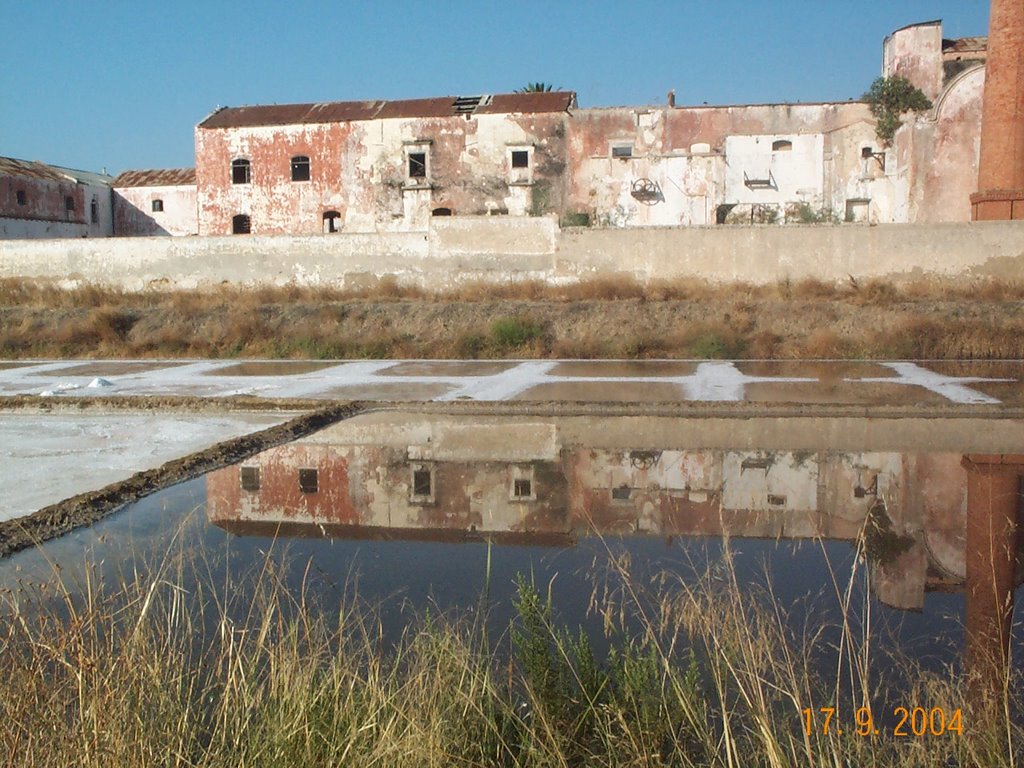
x=850, y=518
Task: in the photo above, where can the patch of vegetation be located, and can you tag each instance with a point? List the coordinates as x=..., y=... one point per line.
x=805, y=213
x=577, y=219
x=890, y=98
x=882, y=545
x=511, y=332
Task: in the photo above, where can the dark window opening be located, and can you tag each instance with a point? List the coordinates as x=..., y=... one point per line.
x=69, y=203
x=300, y=168
x=94, y=211
x=22, y=197
x=776, y=501
x=241, y=225
x=308, y=481
x=241, y=171
x=520, y=158
x=250, y=478
x=417, y=165
x=867, y=152
x=422, y=482
x=331, y=221
x=441, y=212
x=782, y=145
x=622, y=493
x=622, y=151
x=158, y=206
x=522, y=488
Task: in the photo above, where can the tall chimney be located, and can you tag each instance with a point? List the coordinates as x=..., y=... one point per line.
x=1000, y=192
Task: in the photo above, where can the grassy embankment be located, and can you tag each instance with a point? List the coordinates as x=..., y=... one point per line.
x=711, y=674
x=601, y=318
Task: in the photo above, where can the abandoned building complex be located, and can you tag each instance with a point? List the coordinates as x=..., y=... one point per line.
x=389, y=166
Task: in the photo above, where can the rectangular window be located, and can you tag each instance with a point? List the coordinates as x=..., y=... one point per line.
x=308, y=481
x=522, y=488
x=69, y=203
x=22, y=197
x=158, y=206
x=622, y=151
x=300, y=168
x=94, y=210
x=622, y=493
x=422, y=483
x=417, y=165
x=250, y=478
x=520, y=158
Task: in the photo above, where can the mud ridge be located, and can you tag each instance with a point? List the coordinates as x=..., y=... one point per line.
x=87, y=508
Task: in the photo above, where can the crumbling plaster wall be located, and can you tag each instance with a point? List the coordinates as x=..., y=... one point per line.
x=505, y=248
x=696, y=158
x=360, y=170
x=134, y=215
x=45, y=214
x=915, y=53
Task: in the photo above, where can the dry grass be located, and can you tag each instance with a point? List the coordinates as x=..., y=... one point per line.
x=603, y=317
x=165, y=669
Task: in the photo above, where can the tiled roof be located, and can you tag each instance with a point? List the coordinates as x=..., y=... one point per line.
x=345, y=111
x=160, y=177
x=965, y=45
x=33, y=169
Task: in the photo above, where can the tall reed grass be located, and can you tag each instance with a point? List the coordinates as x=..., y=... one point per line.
x=164, y=667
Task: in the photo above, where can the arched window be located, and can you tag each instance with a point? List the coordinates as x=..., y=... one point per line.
x=300, y=168
x=782, y=145
x=241, y=171
x=241, y=225
x=442, y=212
x=331, y=221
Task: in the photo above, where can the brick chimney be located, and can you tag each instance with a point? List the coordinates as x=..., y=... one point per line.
x=1000, y=192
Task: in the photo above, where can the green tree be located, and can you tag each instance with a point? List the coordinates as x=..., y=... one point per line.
x=891, y=97
x=538, y=87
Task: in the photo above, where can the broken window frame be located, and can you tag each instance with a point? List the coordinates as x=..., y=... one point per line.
x=301, y=169
x=330, y=222
x=241, y=171
x=158, y=206
x=522, y=485
x=417, y=166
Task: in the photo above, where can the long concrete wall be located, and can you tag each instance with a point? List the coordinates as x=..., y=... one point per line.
x=459, y=250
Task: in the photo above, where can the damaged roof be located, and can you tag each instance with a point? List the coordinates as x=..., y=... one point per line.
x=33, y=169
x=965, y=44
x=346, y=111
x=159, y=177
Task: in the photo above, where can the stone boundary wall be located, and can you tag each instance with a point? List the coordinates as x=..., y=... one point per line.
x=465, y=249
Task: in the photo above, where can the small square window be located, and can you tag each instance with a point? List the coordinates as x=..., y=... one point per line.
x=520, y=158
x=622, y=151
x=417, y=165
x=308, y=481
x=69, y=203
x=250, y=478
x=22, y=197
x=622, y=493
x=158, y=206
x=522, y=488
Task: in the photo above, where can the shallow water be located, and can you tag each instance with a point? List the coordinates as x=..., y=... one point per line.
x=444, y=513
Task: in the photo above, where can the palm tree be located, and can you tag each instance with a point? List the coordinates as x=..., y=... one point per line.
x=538, y=87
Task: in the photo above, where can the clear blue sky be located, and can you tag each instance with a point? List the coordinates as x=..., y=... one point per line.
x=121, y=83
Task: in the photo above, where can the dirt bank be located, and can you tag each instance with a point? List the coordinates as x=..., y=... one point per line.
x=807, y=320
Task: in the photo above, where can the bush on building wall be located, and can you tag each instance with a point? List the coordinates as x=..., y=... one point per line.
x=805, y=213
x=891, y=97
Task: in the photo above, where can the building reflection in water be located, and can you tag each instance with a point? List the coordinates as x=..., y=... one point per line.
x=929, y=517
